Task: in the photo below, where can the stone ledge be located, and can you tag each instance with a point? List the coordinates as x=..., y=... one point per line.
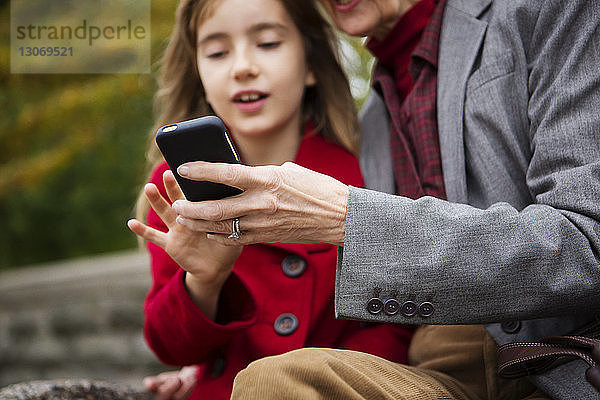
x=80, y=319
x=93, y=279
x=73, y=270
x=71, y=390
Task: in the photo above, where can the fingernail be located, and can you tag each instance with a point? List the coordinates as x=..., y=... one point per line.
x=183, y=170
x=177, y=207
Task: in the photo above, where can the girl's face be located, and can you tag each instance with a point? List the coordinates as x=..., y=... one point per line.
x=252, y=64
x=373, y=18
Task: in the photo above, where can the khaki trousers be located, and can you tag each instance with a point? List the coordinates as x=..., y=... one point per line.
x=446, y=362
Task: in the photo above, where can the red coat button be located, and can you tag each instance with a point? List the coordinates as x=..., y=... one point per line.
x=293, y=266
x=286, y=324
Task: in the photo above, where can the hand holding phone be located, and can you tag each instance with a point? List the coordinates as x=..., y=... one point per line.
x=200, y=139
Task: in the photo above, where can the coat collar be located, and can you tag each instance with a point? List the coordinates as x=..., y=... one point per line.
x=461, y=38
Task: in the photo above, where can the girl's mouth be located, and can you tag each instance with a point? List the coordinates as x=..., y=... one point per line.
x=250, y=102
x=345, y=5
x=249, y=97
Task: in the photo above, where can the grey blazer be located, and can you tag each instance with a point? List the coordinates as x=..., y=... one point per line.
x=518, y=241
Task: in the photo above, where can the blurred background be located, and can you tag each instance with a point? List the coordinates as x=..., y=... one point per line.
x=72, y=160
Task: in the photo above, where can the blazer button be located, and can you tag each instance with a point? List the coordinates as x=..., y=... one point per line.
x=285, y=324
x=408, y=309
x=511, y=326
x=391, y=307
x=374, y=306
x=293, y=266
x=425, y=309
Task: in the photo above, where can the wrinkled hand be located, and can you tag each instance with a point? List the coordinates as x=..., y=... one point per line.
x=286, y=203
x=172, y=385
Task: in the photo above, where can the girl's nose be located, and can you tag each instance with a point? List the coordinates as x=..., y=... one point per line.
x=244, y=66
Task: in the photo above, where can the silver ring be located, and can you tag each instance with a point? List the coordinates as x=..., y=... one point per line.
x=235, y=229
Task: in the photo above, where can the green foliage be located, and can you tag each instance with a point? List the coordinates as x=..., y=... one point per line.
x=72, y=159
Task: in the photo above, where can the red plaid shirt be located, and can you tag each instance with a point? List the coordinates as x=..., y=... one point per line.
x=414, y=133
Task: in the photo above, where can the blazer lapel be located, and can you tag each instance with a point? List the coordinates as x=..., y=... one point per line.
x=461, y=37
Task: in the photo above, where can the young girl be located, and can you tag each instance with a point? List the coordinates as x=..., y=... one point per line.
x=268, y=68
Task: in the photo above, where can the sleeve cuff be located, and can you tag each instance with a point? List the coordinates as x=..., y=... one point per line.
x=180, y=334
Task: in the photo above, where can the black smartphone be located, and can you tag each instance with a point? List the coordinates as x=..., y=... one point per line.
x=199, y=139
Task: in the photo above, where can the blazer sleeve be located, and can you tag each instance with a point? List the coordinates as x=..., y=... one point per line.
x=174, y=328
x=454, y=263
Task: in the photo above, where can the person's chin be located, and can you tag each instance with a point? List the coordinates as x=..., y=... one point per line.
x=253, y=127
x=353, y=26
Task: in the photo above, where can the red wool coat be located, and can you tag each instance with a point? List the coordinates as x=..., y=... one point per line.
x=278, y=298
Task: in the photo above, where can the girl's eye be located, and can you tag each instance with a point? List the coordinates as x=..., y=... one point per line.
x=216, y=54
x=269, y=45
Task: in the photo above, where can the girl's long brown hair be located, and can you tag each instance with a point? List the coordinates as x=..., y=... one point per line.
x=328, y=104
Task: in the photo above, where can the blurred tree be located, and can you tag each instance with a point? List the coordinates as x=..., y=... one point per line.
x=72, y=157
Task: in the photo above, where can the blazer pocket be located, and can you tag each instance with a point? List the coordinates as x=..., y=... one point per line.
x=492, y=68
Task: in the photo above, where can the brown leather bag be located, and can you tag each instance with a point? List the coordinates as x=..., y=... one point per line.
x=527, y=358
